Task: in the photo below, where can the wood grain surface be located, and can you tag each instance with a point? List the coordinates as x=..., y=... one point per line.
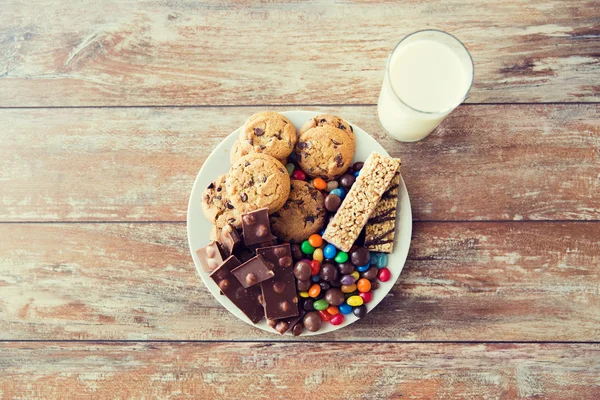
x=536, y=281
x=303, y=371
x=182, y=52
x=496, y=162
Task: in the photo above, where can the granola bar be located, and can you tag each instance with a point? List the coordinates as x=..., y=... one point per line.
x=360, y=202
x=381, y=228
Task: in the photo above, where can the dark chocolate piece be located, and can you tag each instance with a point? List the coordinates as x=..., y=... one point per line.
x=230, y=239
x=210, y=257
x=279, y=292
x=252, y=272
x=256, y=227
x=248, y=300
x=284, y=325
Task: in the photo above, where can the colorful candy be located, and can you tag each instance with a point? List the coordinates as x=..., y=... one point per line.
x=366, y=296
x=315, y=267
x=340, y=192
x=355, y=275
x=363, y=285
x=341, y=257
x=299, y=175
x=374, y=258
x=347, y=280
x=318, y=255
x=303, y=294
x=324, y=316
x=315, y=278
x=332, y=310
x=337, y=319
x=315, y=240
x=331, y=185
x=319, y=183
x=382, y=260
x=322, y=304
x=306, y=247
x=329, y=251
x=363, y=268
x=345, y=308
x=290, y=168
x=384, y=275
x=348, y=288
x=314, y=291
x=353, y=301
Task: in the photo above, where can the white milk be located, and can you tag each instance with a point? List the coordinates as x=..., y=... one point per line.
x=430, y=79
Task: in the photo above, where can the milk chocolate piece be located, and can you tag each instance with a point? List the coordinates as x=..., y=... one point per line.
x=256, y=226
x=210, y=257
x=230, y=239
x=248, y=300
x=252, y=272
x=279, y=292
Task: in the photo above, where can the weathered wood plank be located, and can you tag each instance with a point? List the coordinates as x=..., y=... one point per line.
x=327, y=370
x=463, y=281
x=320, y=52
x=484, y=162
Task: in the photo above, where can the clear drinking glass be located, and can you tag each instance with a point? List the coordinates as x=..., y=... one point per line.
x=428, y=74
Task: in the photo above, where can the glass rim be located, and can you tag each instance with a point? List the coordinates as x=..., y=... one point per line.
x=387, y=72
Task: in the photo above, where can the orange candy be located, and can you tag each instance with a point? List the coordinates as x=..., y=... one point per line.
x=319, y=184
x=315, y=240
x=314, y=290
x=332, y=310
x=363, y=285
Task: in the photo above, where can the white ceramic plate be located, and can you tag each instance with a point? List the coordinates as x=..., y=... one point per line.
x=198, y=228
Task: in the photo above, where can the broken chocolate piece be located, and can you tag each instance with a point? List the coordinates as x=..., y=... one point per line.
x=279, y=292
x=248, y=300
x=230, y=239
x=210, y=257
x=252, y=272
x=256, y=227
x=276, y=255
x=284, y=325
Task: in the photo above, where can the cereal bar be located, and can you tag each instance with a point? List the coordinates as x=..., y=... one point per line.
x=381, y=228
x=360, y=202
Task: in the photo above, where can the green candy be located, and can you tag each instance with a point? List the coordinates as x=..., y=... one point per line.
x=290, y=168
x=308, y=249
x=321, y=305
x=341, y=257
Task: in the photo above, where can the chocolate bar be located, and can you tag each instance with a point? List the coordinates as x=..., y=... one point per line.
x=210, y=257
x=381, y=227
x=248, y=300
x=256, y=227
x=279, y=293
x=252, y=272
x=360, y=202
x=230, y=239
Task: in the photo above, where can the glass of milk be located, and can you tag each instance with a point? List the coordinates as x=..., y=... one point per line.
x=428, y=74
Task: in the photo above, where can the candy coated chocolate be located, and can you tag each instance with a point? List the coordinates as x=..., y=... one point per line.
x=297, y=252
x=371, y=273
x=256, y=227
x=347, y=180
x=360, y=311
x=328, y=272
x=230, y=239
x=247, y=300
x=308, y=305
x=357, y=166
x=210, y=257
x=332, y=202
x=297, y=329
x=312, y=321
x=303, y=286
x=252, y=272
x=324, y=286
x=346, y=268
x=335, y=297
x=360, y=256
x=302, y=270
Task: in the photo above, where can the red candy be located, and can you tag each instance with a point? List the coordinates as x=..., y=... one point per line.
x=337, y=319
x=299, y=175
x=315, y=267
x=384, y=275
x=325, y=316
x=366, y=296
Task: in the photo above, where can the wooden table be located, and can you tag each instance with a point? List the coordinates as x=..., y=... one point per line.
x=108, y=110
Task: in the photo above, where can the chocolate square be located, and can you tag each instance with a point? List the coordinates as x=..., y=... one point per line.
x=284, y=325
x=256, y=227
x=279, y=293
x=230, y=239
x=248, y=300
x=280, y=255
x=210, y=257
x=252, y=272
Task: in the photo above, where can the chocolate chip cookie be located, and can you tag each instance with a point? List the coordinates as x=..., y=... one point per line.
x=302, y=214
x=242, y=148
x=256, y=181
x=328, y=119
x=217, y=206
x=269, y=133
x=325, y=152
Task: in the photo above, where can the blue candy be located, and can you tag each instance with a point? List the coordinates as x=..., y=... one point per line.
x=329, y=252
x=382, y=260
x=322, y=232
x=363, y=268
x=345, y=308
x=315, y=278
x=340, y=192
x=374, y=258
x=356, y=173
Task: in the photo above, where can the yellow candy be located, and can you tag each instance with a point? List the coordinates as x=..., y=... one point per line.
x=318, y=255
x=303, y=294
x=354, y=301
x=356, y=275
